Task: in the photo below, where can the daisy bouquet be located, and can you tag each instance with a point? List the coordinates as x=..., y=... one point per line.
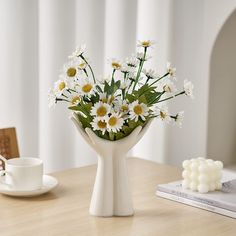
x=115, y=105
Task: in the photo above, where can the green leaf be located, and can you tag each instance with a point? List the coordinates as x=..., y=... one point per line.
x=126, y=129
x=111, y=136
x=143, y=99
x=119, y=135
x=143, y=90
x=132, y=124
x=84, y=121
x=108, y=89
x=74, y=108
x=130, y=97
x=152, y=96
x=94, y=98
x=99, y=88
x=117, y=84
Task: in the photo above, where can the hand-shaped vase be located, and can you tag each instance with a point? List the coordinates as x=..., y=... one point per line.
x=111, y=193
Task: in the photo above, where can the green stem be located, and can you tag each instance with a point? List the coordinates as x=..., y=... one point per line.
x=64, y=95
x=123, y=94
x=152, y=117
x=85, y=72
x=154, y=83
x=62, y=99
x=156, y=99
x=113, y=73
x=130, y=85
x=171, y=97
x=84, y=110
x=159, y=79
x=71, y=90
x=148, y=78
x=111, y=136
x=89, y=68
x=140, y=68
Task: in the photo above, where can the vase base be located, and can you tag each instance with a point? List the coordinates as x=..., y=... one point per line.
x=125, y=214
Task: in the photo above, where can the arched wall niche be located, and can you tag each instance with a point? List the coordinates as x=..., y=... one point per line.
x=221, y=139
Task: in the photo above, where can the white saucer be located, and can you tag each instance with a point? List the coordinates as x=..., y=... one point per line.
x=49, y=183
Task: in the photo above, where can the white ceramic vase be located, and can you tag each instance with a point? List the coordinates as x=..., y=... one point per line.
x=111, y=193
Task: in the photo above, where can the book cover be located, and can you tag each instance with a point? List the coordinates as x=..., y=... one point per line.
x=224, y=199
x=193, y=203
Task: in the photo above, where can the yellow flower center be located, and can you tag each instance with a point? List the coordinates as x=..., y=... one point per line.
x=75, y=100
x=102, y=124
x=104, y=100
x=167, y=88
x=171, y=72
x=112, y=98
x=138, y=110
x=82, y=65
x=162, y=115
x=71, y=72
x=116, y=65
x=146, y=43
x=124, y=108
x=112, y=121
x=101, y=111
x=87, y=88
x=62, y=85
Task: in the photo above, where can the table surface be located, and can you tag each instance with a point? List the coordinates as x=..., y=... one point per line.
x=64, y=211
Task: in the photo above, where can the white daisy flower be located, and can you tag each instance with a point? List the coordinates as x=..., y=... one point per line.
x=86, y=87
x=188, y=88
x=137, y=110
x=179, y=118
x=162, y=113
x=114, y=122
x=60, y=87
x=131, y=76
x=121, y=106
x=51, y=98
x=74, y=99
x=81, y=64
x=151, y=74
x=145, y=43
x=100, y=109
x=99, y=124
x=115, y=64
x=78, y=51
x=169, y=87
x=126, y=69
x=70, y=70
x=124, y=83
x=140, y=56
x=171, y=71
x=103, y=97
x=131, y=61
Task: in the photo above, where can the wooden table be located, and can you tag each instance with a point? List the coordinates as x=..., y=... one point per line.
x=64, y=211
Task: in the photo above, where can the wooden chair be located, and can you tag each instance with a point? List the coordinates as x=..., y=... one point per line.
x=8, y=144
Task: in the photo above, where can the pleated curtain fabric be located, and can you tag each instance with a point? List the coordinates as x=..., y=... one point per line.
x=36, y=37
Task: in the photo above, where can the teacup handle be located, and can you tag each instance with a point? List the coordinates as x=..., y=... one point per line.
x=2, y=172
x=3, y=159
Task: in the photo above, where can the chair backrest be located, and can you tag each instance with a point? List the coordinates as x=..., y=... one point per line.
x=8, y=144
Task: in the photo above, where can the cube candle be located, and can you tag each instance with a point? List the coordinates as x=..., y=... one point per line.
x=202, y=175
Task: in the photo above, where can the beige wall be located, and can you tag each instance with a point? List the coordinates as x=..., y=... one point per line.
x=222, y=107
x=195, y=27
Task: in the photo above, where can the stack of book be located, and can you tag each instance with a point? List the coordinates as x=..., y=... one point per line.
x=222, y=202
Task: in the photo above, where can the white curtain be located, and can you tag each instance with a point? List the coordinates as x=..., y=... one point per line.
x=36, y=36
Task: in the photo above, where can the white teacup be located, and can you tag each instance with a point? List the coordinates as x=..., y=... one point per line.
x=24, y=173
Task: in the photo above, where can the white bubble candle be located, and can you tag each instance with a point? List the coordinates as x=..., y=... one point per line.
x=202, y=175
